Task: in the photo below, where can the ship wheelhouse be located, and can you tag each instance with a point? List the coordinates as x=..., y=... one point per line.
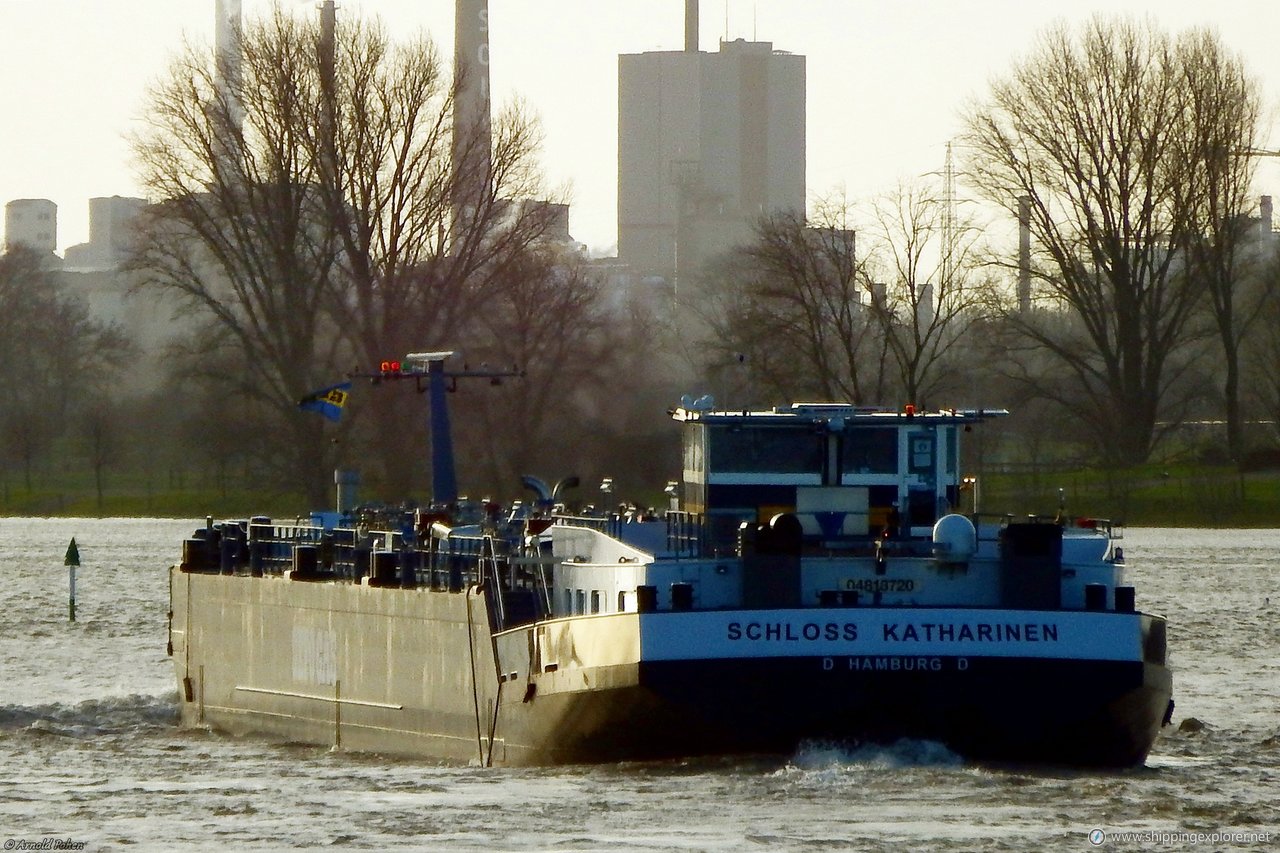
x=844, y=472
x=801, y=506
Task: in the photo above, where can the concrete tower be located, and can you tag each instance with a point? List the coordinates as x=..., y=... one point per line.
x=111, y=229
x=1024, y=253
x=227, y=55
x=707, y=143
x=32, y=222
x=471, y=130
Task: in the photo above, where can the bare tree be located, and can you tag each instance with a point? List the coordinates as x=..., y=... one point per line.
x=239, y=231
x=1094, y=128
x=789, y=306
x=1223, y=250
x=1262, y=347
x=100, y=428
x=548, y=319
x=28, y=425
x=933, y=295
x=428, y=235
x=319, y=216
x=53, y=355
x=210, y=374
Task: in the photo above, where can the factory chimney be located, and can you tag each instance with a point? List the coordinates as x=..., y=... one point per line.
x=328, y=36
x=1024, y=254
x=327, y=61
x=471, y=133
x=1264, y=216
x=226, y=38
x=691, y=26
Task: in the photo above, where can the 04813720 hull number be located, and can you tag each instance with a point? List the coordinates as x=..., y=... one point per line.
x=881, y=584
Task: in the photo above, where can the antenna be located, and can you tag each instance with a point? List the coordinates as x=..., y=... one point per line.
x=948, y=220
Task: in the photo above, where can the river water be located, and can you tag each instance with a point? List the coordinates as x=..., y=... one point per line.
x=90, y=754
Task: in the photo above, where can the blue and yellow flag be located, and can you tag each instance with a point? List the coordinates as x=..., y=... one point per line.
x=327, y=401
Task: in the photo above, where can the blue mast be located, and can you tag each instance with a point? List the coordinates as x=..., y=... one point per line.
x=429, y=367
x=444, y=479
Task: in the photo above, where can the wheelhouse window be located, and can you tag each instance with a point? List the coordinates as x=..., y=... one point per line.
x=765, y=450
x=693, y=467
x=871, y=450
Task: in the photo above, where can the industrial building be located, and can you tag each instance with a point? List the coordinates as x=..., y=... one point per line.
x=32, y=222
x=707, y=143
x=111, y=224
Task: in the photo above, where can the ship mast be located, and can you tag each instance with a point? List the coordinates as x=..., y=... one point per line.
x=428, y=372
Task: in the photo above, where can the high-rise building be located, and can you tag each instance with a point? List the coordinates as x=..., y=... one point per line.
x=33, y=222
x=707, y=143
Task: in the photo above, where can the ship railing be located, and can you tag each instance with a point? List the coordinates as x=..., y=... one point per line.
x=686, y=533
x=1107, y=527
x=491, y=571
x=519, y=579
x=610, y=525
x=339, y=553
x=454, y=562
x=271, y=545
x=991, y=524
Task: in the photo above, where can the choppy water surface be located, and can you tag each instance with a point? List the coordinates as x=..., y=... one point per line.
x=89, y=751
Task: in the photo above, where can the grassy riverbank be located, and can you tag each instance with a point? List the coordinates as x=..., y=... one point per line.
x=72, y=497
x=1150, y=496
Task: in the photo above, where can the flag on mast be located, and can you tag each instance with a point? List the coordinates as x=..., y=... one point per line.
x=328, y=401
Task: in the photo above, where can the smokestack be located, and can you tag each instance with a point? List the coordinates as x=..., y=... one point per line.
x=1264, y=211
x=226, y=40
x=691, y=26
x=327, y=61
x=328, y=35
x=1024, y=253
x=471, y=134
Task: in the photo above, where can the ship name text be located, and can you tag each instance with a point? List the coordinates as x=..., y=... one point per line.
x=981, y=632
x=791, y=632
x=895, y=632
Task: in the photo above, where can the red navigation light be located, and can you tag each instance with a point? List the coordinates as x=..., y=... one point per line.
x=910, y=410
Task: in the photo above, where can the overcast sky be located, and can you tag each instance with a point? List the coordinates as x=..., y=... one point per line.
x=886, y=79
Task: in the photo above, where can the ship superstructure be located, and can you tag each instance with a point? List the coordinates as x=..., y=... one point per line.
x=823, y=574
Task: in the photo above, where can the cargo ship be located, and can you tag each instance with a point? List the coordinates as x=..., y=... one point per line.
x=823, y=573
